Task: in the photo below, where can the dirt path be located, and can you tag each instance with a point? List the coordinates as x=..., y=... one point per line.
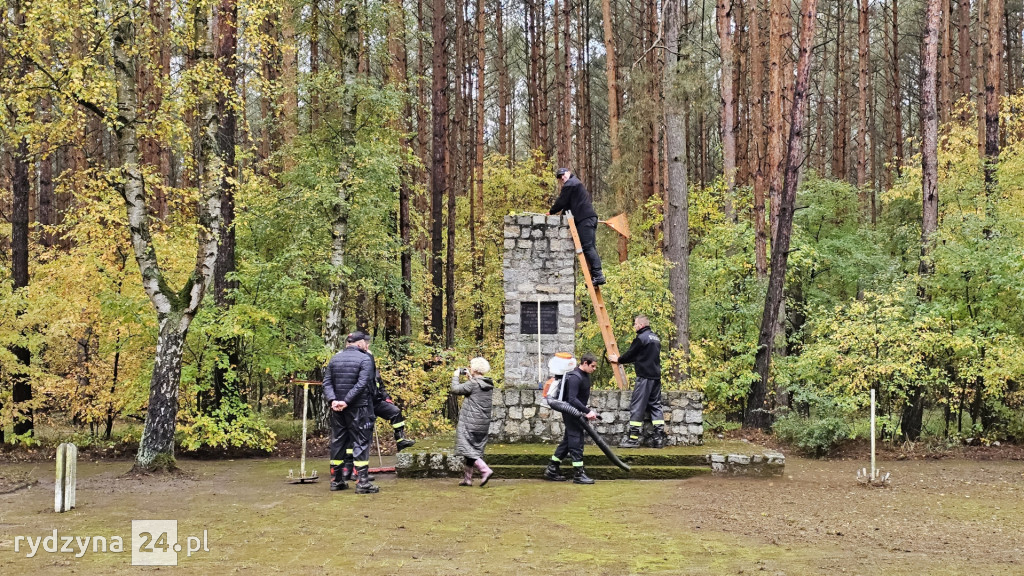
x=939, y=517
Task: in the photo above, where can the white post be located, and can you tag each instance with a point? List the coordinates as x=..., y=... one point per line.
x=305, y=400
x=67, y=476
x=872, y=434
x=540, y=361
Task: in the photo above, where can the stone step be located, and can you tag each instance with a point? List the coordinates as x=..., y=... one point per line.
x=594, y=457
x=435, y=457
x=595, y=472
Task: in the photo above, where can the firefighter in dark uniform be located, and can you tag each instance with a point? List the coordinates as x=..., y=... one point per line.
x=575, y=198
x=383, y=407
x=576, y=384
x=645, y=354
x=348, y=382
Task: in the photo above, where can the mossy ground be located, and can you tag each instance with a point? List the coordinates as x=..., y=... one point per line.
x=946, y=517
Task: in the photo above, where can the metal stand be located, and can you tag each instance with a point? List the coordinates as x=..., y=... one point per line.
x=302, y=478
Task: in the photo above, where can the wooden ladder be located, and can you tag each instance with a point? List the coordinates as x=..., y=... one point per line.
x=610, y=345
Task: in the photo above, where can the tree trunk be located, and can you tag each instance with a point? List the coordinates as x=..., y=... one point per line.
x=46, y=213
x=613, y=90
x=992, y=95
x=478, y=226
x=561, y=87
x=840, y=126
x=725, y=35
x=897, y=93
x=314, y=63
x=964, y=45
x=438, y=177
x=289, y=97
x=225, y=49
x=864, y=94
x=399, y=72
x=981, y=54
x=348, y=56
x=759, y=141
x=756, y=413
x=175, y=309
x=929, y=135
x=677, y=242
x=503, y=80
x=21, y=392
x=780, y=36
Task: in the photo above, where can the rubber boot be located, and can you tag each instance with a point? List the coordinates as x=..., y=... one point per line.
x=553, y=472
x=337, y=480
x=346, y=471
x=467, y=475
x=633, y=439
x=485, y=471
x=363, y=485
x=598, y=278
x=659, y=438
x=580, y=477
x=401, y=441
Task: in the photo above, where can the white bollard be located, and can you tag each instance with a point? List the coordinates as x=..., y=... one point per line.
x=67, y=473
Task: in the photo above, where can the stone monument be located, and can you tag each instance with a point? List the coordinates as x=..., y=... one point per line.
x=539, y=296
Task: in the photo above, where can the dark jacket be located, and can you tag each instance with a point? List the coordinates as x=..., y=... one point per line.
x=380, y=393
x=574, y=197
x=645, y=353
x=474, y=416
x=576, y=389
x=349, y=377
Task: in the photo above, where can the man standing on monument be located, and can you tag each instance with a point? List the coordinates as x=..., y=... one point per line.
x=575, y=198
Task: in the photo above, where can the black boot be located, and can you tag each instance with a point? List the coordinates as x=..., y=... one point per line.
x=659, y=439
x=554, y=473
x=632, y=439
x=598, y=278
x=580, y=477
x=349, y=473
x=337, y=482
x=363, y=485
x=401, y=441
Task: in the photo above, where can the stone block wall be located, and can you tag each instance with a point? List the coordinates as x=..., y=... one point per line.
x=518, y=415
x=538, y=267
x=766, y=464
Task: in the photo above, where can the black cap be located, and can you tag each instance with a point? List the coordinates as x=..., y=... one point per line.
x=356, y=337
x=561, y=172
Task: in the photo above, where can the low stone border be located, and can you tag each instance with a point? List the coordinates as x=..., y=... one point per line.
x=766, y=464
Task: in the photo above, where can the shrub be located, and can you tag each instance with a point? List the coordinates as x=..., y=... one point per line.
x=816, y=436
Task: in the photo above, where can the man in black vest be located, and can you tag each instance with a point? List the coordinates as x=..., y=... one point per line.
x=645, y=354
x=576, y=392
x=576, y=199
x=348, y=382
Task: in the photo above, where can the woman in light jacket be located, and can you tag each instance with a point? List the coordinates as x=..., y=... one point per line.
x=474, y=419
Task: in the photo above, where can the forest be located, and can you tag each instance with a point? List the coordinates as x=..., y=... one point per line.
x=200, y=198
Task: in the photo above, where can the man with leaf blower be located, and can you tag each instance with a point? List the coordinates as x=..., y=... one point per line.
x=575, y=392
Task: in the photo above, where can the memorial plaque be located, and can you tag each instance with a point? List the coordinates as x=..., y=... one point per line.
x=548, y=317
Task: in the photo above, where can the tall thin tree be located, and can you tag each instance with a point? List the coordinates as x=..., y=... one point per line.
x=438, y=175
x=677, y=232
x=756, y=414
